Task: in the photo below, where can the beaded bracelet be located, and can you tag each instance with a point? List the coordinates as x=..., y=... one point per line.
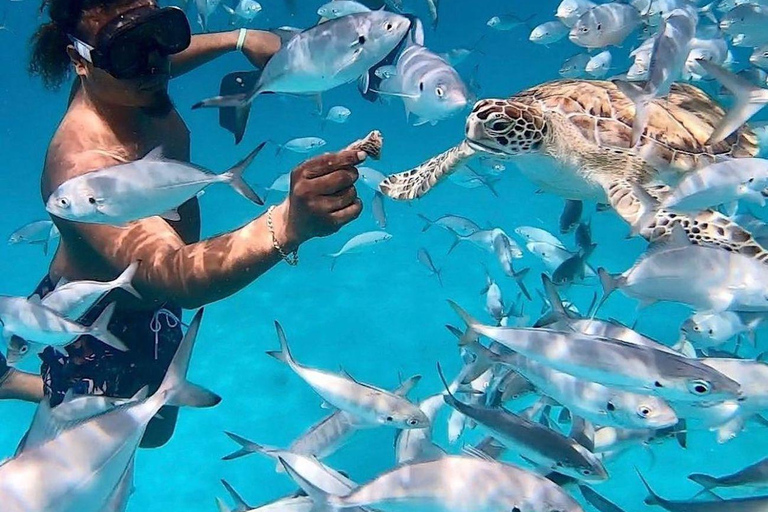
x=293, y=258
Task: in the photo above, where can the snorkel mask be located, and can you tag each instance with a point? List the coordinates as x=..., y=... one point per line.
x=124, y=45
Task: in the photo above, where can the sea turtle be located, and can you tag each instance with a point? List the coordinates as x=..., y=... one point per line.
x=573, y=138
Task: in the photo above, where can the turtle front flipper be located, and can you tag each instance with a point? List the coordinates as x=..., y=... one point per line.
x=707, y=227
x=416, y=182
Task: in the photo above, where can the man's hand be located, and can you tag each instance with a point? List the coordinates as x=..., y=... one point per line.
x=322, y=198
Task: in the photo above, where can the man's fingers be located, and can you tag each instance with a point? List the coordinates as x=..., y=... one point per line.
x=334, y=182
x=341, y=199
x=347, y=214
x=329, y=162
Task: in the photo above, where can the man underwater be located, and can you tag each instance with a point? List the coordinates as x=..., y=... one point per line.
x=124, y=54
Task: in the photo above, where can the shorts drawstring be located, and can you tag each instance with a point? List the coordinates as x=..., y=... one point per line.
x=155, y=326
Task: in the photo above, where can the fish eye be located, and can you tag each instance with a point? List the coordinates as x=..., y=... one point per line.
x=699, y=387
x=696, y=328
x=765, y=55
x=711, y=332
x=23, y=349
x=610, y=406
x=91, y=199
x=64, y=202
x=413, y=422
x=472, y=358
x=584, y=30
x=751, y=180
x=586, y=471
x=644, y=411
x=439, y=92
x=388, y=26
x=389, y=419
x=361, y=39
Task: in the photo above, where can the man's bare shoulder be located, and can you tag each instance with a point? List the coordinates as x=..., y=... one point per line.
x=82, y=143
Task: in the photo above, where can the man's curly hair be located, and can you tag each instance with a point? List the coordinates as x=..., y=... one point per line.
x=48, y=58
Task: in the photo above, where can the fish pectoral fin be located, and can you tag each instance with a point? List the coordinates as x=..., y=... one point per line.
x=171, y=215
x=326, y=405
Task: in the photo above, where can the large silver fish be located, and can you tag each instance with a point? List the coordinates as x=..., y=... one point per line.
x=144, y=188
x=450, y=484
x=605, y=25
x=363, y=402
x=98, y=449
x=321, y=58
x=611, y=362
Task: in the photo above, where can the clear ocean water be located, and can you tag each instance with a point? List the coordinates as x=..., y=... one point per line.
x=379, y=314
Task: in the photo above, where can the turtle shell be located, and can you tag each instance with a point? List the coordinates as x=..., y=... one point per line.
x=678, y=125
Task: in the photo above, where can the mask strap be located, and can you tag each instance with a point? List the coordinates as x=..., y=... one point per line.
x=82, y=48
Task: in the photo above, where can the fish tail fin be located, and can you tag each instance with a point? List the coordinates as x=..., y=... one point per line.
x=470, y=335
x=180, y=391
x=706, y=481
x=609, y=282
x=554, y=298
x=642, y=102
x=240, y=503
x=322, y=501
x=284, y=354
x=222, y=506
x=247, y=447
x=519, y=276
x=652, y=498
x=750, y=99
x=100, y=331
x=456, y=241
x=427, y=223
x=234, y=176
x=124, y=280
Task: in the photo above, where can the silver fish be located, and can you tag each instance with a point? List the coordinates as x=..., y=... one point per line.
x=668, y=55
x=430, y=88
x=486, y=239
x=303, y=144
x=710, y=330
x=41, y=232
x=720, y=183
x=426, y=260
x=449, y=484
x=569, y=11
x=363, y=402
x=575, y=66
x=754, y=476
x=548, y=33
x=324, y=57
x=607, y=361
x=605, y=25
x=598, y=66
x=245, y=11
x=452, y=223
x=506, y=22
x=531, y=234
x=750, y=504
x=338, y=114
x=204, y=10
x=359, y=243
x=759, y=57
x=147, y=187
x=86, y=483
x=339, y=8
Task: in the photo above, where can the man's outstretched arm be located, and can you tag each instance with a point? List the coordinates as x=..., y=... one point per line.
x=258, y=47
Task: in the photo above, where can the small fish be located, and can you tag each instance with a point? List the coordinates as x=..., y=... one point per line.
x=749, y=504
x=599, y=65
x=583, y=236
x=750, y=100
x=359, y=243
x=754, y=476
x=426, y=260
x=569, y=11
x=506, y=250
x=204, y=10
x=365, y=403
x=339, y=8
x=378, y=210
x=452, y=223
x=245, y=11
x=748, y=19
x=415, y=445
x=720, y=183
x=706, y=330
x=457, y=56
x=41, y=232
x=605, y=25
x=467, y=177
x=148, y=187
x=506, y=22
x=370, y=177
x=574, y=269
x=531, y=234
x=338, y=114
x=714, y=50
x=548, y=33
x=281, y=184
x=486, y=239
x=494, y=302
x=303, y=145
x=571, y=215
x=575, y=66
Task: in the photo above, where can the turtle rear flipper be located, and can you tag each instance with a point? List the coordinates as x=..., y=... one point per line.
x=416, y=182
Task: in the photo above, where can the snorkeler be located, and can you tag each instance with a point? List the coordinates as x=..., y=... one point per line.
x=124, y=54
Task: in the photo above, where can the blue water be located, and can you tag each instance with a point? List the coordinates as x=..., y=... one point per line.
x=376, y=315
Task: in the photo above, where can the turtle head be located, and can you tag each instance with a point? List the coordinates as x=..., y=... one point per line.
x=505, y=127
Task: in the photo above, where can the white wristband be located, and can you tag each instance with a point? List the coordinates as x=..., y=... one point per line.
x=241, y=39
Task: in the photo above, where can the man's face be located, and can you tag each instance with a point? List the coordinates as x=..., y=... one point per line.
x=148, y=92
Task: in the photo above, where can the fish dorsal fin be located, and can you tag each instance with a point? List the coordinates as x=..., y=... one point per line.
x=35, y=299
x=407, y=386
x=240, y=504
x=141, y=394
x=677, y=239
x=416, y=34
x=554, y=298
x=155, y=154
x=583, y=432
